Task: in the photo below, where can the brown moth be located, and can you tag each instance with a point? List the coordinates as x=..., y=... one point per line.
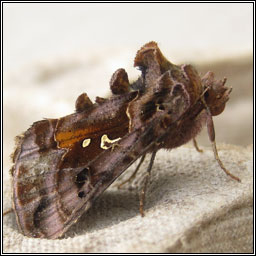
x=62, y=165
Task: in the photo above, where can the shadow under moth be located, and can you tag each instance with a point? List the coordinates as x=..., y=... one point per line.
x=62, y=165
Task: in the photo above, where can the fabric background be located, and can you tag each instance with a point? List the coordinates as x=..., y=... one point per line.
x=53, y=53
x=191, y=206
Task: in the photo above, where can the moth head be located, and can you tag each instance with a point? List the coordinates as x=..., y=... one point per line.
x=216, y=93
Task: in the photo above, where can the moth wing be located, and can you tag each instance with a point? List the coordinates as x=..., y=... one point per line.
x=34, y=179
x=51, y=188
x=48, y=201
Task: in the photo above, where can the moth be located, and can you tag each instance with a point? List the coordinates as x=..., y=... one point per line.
x=62, y=165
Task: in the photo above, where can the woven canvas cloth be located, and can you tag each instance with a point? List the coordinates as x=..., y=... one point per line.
x=191, y=206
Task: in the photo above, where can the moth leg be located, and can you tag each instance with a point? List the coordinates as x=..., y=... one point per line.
x=211, y=134
x=196, y=146
x=143, y=191
x=131, y=178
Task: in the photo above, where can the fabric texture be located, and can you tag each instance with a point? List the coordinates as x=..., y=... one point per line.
x=191, y=206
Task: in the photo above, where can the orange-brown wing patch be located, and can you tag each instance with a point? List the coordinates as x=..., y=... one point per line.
x=67, y=139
